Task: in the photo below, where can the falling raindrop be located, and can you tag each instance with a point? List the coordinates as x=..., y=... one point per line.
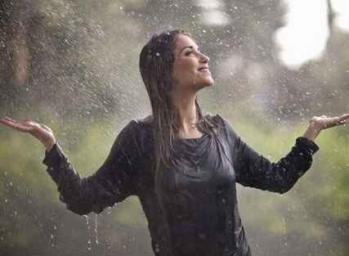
x=89, y=246
x=96, y=230
x=89, y=243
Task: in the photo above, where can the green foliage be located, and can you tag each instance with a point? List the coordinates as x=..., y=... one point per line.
x=82, y=72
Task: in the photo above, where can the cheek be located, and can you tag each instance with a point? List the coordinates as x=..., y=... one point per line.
x=182, y=72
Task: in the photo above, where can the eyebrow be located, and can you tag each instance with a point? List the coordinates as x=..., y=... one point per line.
x=185, y=47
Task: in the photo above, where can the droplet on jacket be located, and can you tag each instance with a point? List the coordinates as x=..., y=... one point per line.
x=156, y=247
x=202, y=236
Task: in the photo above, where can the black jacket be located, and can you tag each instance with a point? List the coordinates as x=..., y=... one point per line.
x=195, y=211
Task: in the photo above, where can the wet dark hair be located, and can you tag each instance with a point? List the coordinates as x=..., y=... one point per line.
x=156, y=65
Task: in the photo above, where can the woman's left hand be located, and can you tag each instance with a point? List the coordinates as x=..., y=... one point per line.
x=319, y=123
x=324, y=122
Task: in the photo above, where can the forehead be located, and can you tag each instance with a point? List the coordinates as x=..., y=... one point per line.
x=183, y=41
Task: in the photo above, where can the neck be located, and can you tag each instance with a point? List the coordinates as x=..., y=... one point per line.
x=185, y=104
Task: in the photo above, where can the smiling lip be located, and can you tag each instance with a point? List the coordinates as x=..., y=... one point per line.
x=204, y=69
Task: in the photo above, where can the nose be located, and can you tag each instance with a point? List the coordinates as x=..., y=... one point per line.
x=204, y=58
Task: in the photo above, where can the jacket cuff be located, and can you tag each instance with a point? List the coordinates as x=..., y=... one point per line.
x=54, y=156
x=309, y=145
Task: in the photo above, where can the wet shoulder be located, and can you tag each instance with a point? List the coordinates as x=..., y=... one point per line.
x=144, y=130
x=223, y=127
x=217, y=120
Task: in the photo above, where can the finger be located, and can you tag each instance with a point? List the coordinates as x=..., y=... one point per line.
x=344, y=117
x=9, y=119
x=5, y=119
x=6, y=122
x=15, y=125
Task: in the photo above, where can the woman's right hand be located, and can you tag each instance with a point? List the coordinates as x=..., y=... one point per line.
x=40, y=131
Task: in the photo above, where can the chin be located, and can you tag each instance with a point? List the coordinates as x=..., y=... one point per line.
x=209, y=82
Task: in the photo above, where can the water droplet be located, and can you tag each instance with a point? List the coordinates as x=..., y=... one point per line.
x=109, y=210
x=157, y=249
x=89, y=245
x=96, y=231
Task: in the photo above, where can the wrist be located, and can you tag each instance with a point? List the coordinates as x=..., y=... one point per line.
x=312, y=131
x=49, y=144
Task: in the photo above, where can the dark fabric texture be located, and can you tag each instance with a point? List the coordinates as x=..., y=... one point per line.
x=200, y=214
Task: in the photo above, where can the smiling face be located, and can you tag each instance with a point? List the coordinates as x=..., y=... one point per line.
x=190, y=68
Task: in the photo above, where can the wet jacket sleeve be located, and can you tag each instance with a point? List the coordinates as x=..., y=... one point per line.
x=111, y=183
x=254, y=170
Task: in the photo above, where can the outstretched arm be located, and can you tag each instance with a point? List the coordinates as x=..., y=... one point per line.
x=112, y=182
x=319, y=123
x=253, y=169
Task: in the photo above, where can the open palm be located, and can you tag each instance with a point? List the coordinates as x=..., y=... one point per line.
x=324, y=122
x=40, y=131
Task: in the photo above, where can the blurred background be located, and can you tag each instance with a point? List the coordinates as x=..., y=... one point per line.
x=73, y=65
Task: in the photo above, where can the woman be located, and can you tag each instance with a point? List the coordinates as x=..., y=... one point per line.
x=182, y=165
